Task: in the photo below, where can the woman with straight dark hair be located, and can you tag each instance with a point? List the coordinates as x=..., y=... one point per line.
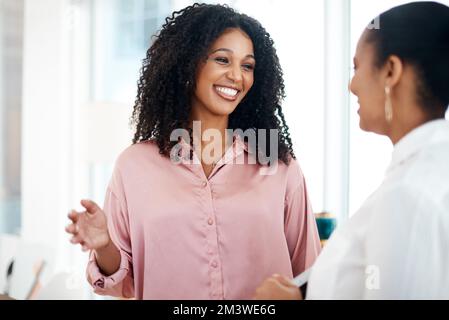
x=396, y=245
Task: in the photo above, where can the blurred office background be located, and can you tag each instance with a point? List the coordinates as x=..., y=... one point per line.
x=68, y=74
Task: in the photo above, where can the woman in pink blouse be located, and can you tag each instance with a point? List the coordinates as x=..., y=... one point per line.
x=193, y=211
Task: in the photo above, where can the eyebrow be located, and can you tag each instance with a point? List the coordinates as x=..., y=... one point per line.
x=229, y=50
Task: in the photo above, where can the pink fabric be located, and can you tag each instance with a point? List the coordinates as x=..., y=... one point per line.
x=185, y=236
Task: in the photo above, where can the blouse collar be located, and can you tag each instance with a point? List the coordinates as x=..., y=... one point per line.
x=237, y=148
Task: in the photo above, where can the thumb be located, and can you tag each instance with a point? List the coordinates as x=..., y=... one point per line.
x=91, y=207
x=283, y=280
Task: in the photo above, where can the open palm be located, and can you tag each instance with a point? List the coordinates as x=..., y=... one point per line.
x=89, y=228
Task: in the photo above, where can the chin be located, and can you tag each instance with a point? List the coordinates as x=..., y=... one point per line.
x=374, y=129
x=223, y=110
x=364, y=126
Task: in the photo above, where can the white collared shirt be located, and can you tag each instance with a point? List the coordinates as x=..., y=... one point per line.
x=397, y=244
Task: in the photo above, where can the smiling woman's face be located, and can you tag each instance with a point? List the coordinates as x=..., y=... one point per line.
x=223, y=80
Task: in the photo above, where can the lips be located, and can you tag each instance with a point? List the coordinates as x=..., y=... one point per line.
x=227, y=93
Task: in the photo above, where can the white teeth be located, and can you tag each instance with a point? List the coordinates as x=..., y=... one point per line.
x=227, y=91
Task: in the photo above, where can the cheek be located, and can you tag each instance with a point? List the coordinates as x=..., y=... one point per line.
x=249, y=81
x=363, y=89
x=207, y=74
x=372, y=110
x=203, y=83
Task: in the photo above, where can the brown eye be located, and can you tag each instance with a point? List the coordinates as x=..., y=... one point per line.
x=222, y=60
x=248, y=67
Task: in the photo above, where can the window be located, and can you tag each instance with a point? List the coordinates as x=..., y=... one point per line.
x=122, y=32
x=11, y=38
x=121, y=35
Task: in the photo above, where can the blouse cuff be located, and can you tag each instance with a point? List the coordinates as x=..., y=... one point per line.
x=99, y=280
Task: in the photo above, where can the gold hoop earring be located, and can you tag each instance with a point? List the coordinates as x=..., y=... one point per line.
x=388, y=105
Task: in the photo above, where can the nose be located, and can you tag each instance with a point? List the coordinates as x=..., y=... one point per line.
x=351, y=85
x=235, y=74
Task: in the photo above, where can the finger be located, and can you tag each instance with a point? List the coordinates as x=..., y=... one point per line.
x=260, y=294
x=76, y=239
x=267, y=286
x=71, y=228
x=263, y=292
x=283, y=280
x=73, y=215
x=270, y=282
x=90, y=206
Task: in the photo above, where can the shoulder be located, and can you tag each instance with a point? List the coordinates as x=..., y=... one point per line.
x=293, y=174
x=402, y=217
x=134, y=160
x=141, y=151
x=397, y=204
x=429, y=172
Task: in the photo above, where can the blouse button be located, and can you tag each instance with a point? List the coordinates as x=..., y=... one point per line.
x=204, y=184
x=210, y=221
x=214, y=264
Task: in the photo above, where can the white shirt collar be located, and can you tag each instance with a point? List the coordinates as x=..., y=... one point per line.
x=416, y=140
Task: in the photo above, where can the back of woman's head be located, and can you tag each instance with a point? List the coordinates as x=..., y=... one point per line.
x=168, y=76
x=418, y=33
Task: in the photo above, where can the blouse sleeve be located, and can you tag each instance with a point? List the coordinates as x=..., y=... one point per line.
x=299, y=223
x=121, y=283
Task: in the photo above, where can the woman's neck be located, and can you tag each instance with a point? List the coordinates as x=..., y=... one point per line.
x=402, y=124
x=210, y=137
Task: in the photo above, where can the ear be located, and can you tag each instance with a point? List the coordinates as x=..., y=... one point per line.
x=394, y=68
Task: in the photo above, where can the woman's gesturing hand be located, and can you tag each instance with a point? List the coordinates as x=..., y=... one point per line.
x=278, y=287
x=89, y=228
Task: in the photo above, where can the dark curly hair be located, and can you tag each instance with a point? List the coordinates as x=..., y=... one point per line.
x=167, y=79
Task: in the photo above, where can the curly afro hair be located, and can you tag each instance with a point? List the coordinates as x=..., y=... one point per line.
x=167, y=80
